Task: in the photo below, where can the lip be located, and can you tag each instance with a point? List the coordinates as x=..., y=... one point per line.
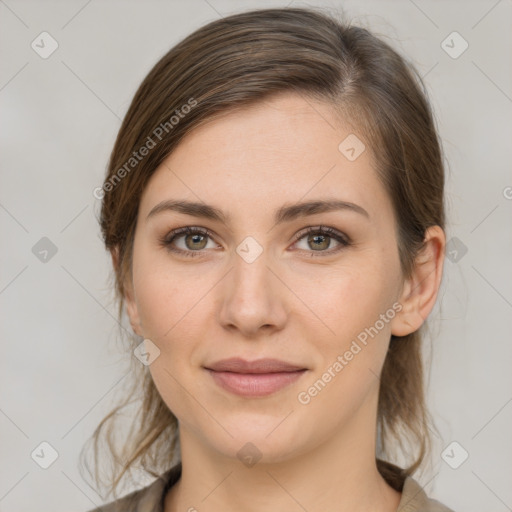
x=254, y=384
x=254, y=378
x=266, y=365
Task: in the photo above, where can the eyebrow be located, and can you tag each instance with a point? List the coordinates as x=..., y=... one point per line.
x=285, y=213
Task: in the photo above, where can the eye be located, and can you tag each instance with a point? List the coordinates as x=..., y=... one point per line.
x=320, y=238
x=193, y=239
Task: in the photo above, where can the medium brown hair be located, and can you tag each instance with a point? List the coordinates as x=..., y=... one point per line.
x=231, y=63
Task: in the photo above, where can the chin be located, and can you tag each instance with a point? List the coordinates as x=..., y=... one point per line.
x=256, y=437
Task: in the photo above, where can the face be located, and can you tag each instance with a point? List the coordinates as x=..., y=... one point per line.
x=316, y=288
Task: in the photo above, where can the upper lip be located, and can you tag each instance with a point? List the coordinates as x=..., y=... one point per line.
x=238, y=365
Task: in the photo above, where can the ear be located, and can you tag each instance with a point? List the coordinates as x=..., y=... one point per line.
x=419, y=292
x=129, y=297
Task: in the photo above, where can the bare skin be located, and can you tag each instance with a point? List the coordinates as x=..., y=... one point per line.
x=301, y=300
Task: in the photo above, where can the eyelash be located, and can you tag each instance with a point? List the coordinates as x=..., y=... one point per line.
x=343, y=240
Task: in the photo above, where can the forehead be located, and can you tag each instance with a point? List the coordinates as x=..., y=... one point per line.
x=276, y=151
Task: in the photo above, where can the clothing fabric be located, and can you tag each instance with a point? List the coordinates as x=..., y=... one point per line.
x=151, y=498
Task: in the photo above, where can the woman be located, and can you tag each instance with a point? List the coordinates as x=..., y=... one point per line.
x=274, y=209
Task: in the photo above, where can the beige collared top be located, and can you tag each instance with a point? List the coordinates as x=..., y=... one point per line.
x=151, y=498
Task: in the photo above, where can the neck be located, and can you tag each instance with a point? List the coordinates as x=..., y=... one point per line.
x=339, y=475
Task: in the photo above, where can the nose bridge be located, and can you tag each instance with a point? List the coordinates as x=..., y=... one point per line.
x=251, y=273
x=251, y=299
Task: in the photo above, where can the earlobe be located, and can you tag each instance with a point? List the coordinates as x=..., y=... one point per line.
x=129, y=297
x=132, y=310
x=419, y=293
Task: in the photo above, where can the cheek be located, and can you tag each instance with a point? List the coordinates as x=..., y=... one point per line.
x=350, y=301
x=165, y=296
x=156, y=304
x=174, y=307
x=169, y=309
x=350, y=358
x=350, y=298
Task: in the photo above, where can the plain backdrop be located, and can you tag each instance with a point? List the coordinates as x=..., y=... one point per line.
x=61, y=368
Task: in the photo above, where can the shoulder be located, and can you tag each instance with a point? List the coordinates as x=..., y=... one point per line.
x=414, y=499
x=147, y=499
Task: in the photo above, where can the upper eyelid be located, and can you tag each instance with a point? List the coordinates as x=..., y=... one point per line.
x=327, y=230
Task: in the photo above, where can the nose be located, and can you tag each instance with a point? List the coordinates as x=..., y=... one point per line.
x=253, y=298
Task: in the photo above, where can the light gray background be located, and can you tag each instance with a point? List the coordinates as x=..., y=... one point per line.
x=61, y=369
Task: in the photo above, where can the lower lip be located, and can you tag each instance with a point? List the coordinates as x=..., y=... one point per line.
x=254, y=384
